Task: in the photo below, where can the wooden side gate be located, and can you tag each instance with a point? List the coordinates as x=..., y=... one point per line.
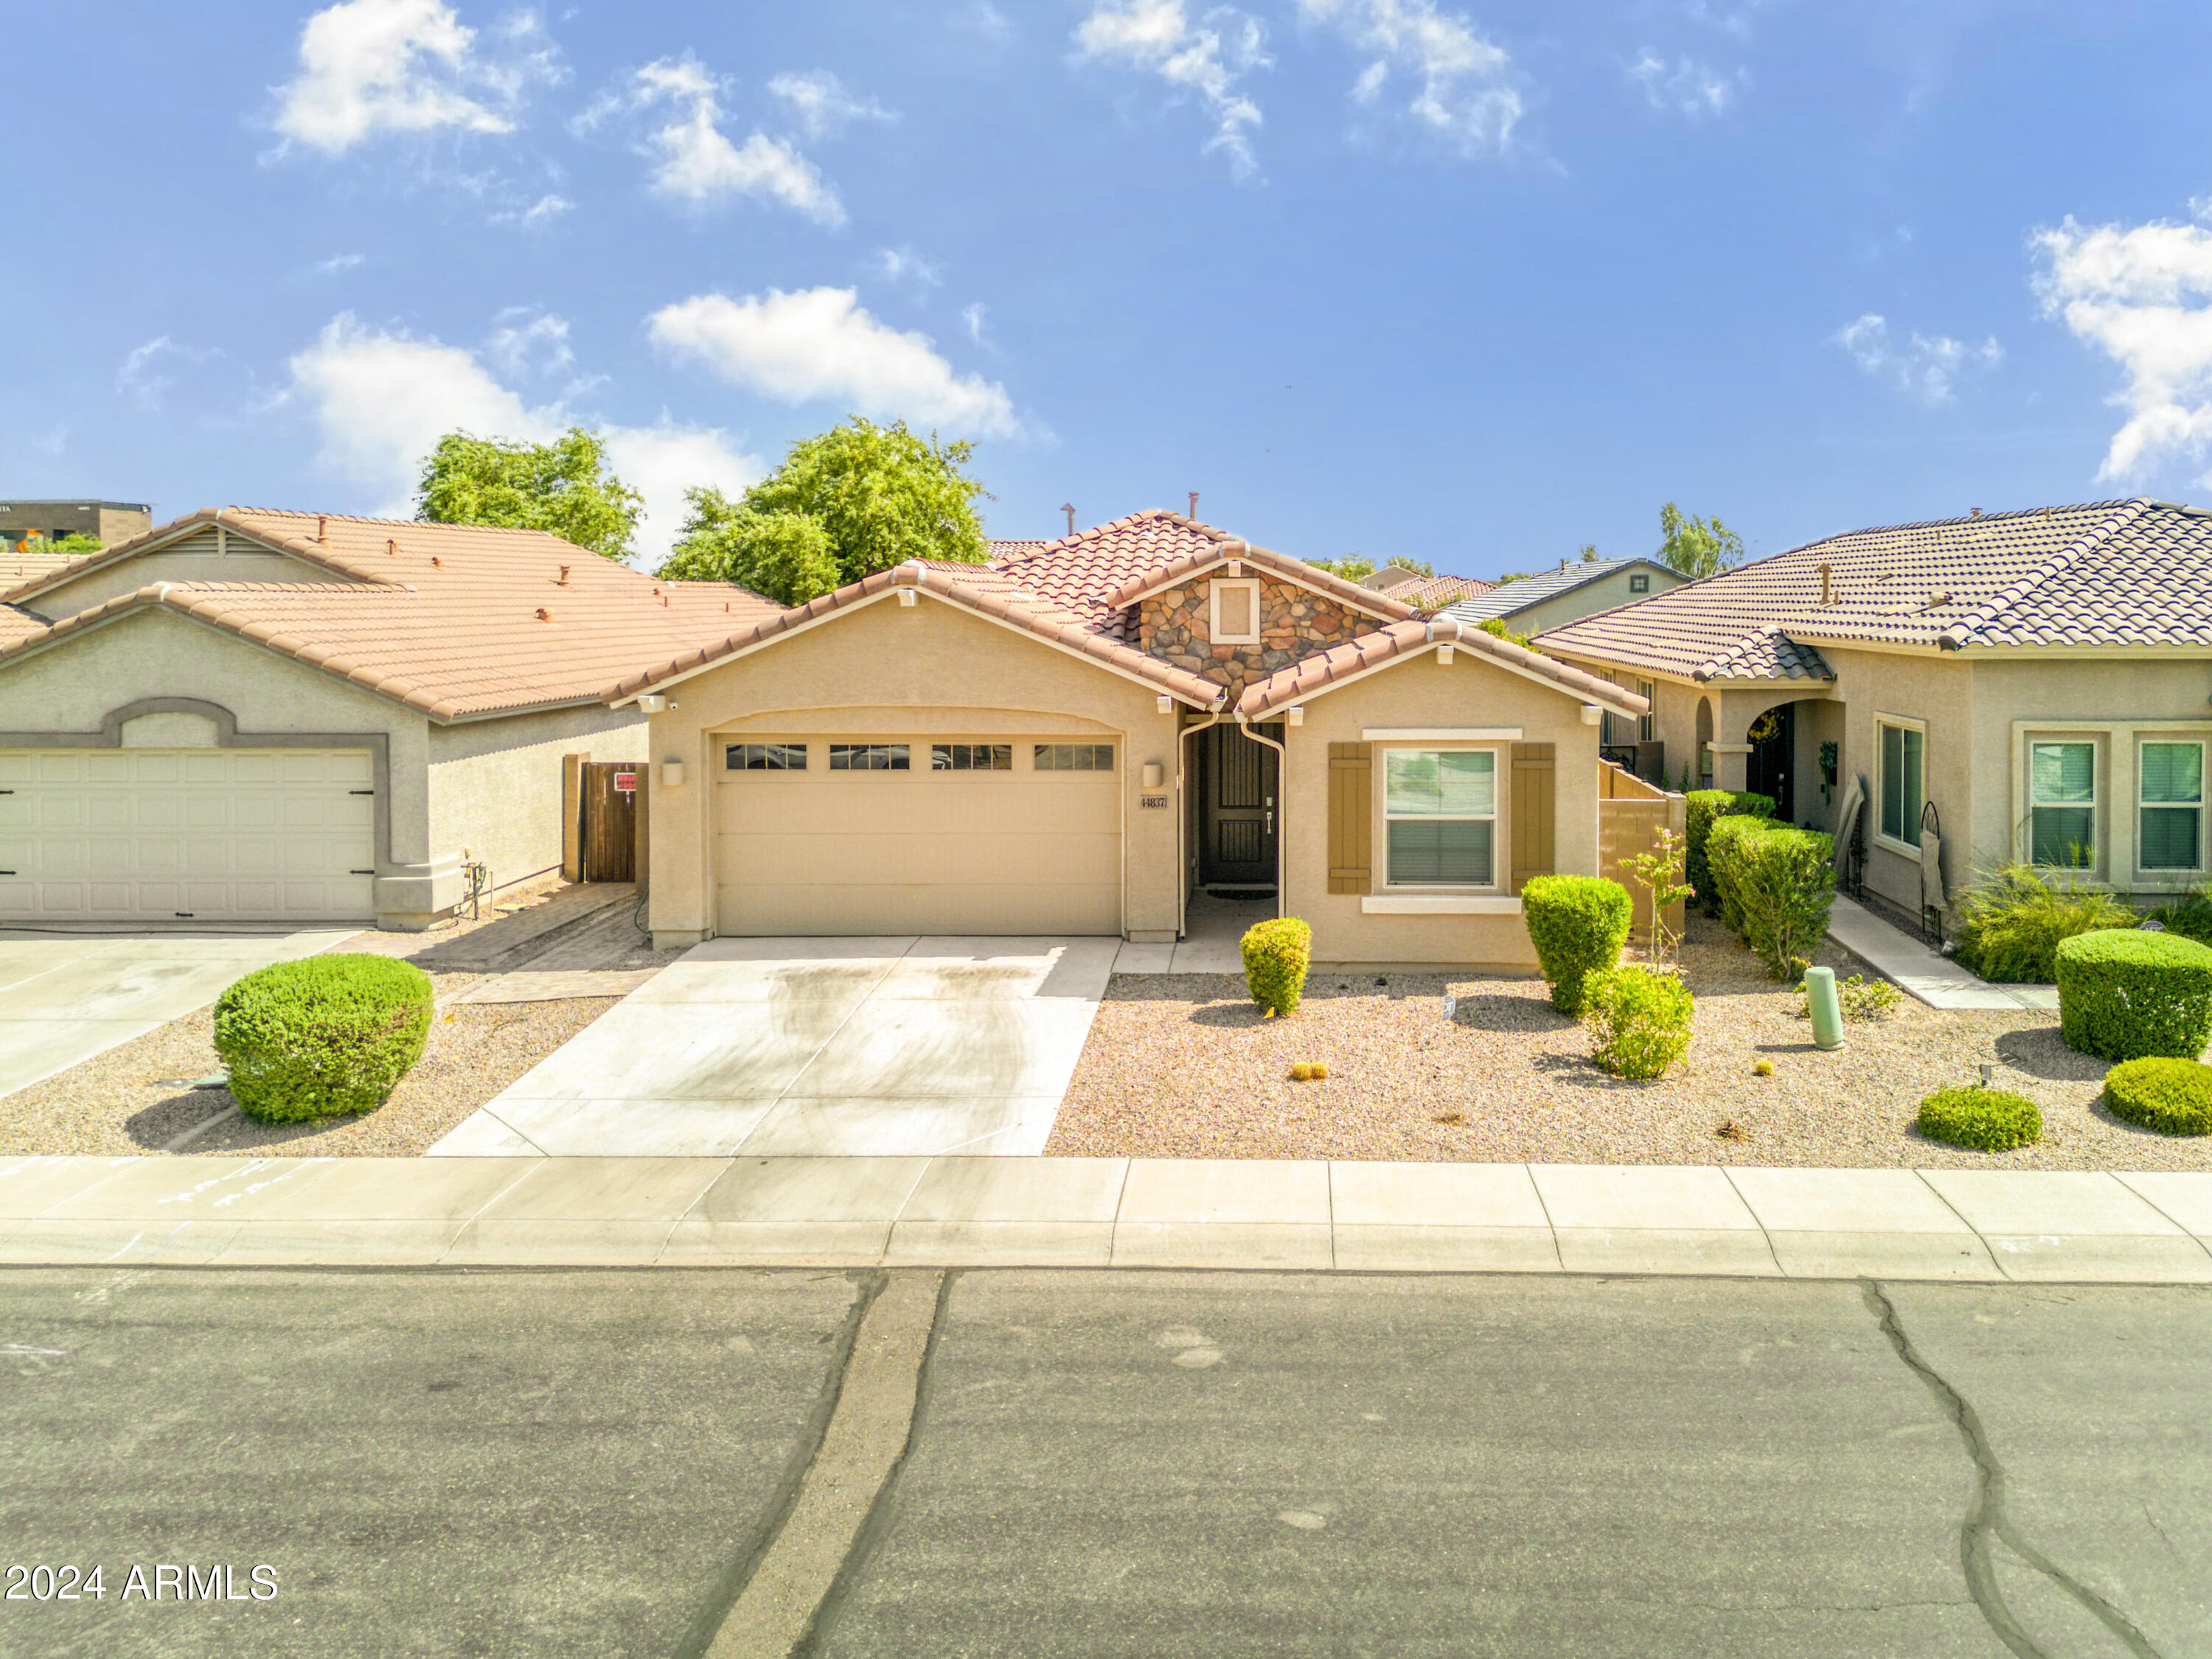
x=611, y=796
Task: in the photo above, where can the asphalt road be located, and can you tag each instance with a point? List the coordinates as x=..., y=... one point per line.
x=549, y=1463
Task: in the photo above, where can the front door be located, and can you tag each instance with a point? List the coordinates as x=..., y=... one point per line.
x=1238, y=809
x=1773, y=752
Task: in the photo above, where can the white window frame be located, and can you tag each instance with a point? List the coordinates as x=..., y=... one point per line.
x=1904, y=849
x=2099, y=769
x=2171, y=872
x=1501, y=778
x=1213, y=591
x=1647, y=723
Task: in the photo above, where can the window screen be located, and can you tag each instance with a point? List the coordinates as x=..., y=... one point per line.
x=2171, y=789
x=1901, y=753
x=867, y=757
x=971, y=757
x=1074, y=757
x=2062, y=812
x=1440, y=808
x=765, y=757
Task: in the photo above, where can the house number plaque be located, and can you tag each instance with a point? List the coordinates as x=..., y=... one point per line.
x=1150, y=802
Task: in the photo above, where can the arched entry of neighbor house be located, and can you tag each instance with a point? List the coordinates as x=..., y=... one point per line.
x=1768, y=769
x=1701, y=768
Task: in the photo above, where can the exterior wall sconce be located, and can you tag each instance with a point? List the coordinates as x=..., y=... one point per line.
x=652, y=703
x=671, y=774
x=1156, y=774
x=1592, y=713
x=1165, y=703
x=1297, y=715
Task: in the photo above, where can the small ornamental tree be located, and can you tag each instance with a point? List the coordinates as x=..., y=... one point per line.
x=1659, y=871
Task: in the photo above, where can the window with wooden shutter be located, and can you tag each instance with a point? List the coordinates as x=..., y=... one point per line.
x=1533, y=776
x=1351, y=828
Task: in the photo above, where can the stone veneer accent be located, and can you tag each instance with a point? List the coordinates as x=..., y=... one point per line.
x=1294, y=623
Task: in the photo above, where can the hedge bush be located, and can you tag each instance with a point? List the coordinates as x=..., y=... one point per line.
x=1983, y=1120
x=1276, y=956
x=2191, y=917
x=2123, y=995
x=322, y=1036
x=2173, y=1097
x=1776, y=885
x=1702, y=807
x=1578, y=924
x=1639, y=1019
x=2012, y=920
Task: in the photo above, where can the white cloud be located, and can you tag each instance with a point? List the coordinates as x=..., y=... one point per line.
x=822, y=104
x=381, y=399
x=1205, y=59
x=818, y=346
x=1462, y=88
x=696, y=161
x=971, y=316
x=2143, y=295
x=903, y=264
x=540, y=213
x=527, y=341
x=983, y=20
x=1686, y=86
x=1926, y=367
x=141, y=379
x=369, y=68
x=338, y=262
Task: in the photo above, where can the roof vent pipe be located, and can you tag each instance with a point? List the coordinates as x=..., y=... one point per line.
x=1828, y=586
x=1194, y=504
x=1973, y=512
x=322, y=527
x=1068, y=507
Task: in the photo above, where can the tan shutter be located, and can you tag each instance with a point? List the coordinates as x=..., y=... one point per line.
x=1350, y=817
x=1532, y=775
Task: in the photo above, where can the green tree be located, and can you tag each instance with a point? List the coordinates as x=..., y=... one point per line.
x=1589, y=552
x=563, y=487
x=854, y=499
x=1696, y=547
x=76, y=543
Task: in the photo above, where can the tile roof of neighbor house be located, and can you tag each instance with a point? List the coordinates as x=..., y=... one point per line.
x=454, y=620
x=1506, y=597
x=1310, y=676
x=1432, y=592
x=2135, y=572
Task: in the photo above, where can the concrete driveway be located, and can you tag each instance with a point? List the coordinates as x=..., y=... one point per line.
x=796, y=1047
x=66, y=997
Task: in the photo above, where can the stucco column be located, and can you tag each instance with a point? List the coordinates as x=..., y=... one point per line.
x=1731, y=765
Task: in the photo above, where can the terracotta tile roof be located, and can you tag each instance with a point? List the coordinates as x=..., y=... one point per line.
x=1432, y=592
x=445, y=618
x=1310, y=677
x=1506, y=597
x=16, y=625
x=1168, y=574
x=1085, y=571
x=2120, y=573
x=19, y=567
x=1000, y=595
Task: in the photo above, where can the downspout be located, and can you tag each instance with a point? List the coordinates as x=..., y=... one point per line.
x=1183, y=819
x=1282, y=771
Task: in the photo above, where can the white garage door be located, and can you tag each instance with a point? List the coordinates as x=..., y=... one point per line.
x=157, y=835
x=913, y=834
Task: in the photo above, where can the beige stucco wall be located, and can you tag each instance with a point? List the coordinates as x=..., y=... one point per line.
x=1469, y=692
x=1606, y=593
x=868, y=671
x=143, y=569
x=494, y=785
x=71, y=687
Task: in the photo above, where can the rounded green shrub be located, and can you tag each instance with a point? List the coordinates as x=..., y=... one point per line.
x=1639, y=1019
x=1702, y=808
x=1983, y=1120
x=322, y=1036
x=1776, y=884
x=1578, y=924
x=2125, y=995
x=2173, y=1097
x=1276, y=956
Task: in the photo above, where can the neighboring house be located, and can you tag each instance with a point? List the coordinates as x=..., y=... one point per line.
x=104, y=521
x=251, y=715
x=1425, y=592
x=1073, y=738
x=1576, y=588
x=2019, y=685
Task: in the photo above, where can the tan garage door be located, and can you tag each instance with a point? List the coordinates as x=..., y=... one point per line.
x=915, y=835
x=208, y=835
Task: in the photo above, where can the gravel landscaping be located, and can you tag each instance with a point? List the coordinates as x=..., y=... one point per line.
x=1183, y=1065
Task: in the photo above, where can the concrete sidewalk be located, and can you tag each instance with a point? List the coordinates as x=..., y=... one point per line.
x=1098, y=1213
x=1930, y=975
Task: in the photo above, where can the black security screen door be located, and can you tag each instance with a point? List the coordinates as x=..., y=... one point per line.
x=1239, y=808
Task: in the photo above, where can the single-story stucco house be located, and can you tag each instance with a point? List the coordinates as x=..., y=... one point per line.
x=1076, y=736
x=257, y=716
x=2028, y=685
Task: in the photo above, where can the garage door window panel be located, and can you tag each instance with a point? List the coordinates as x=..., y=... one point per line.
x=971, y=757
x=869, y=758
x=764, y=757
x=1073, y=757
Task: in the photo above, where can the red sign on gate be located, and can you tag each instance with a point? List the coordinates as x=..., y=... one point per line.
x=626, y=783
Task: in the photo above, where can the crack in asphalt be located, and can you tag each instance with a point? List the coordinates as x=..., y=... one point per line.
x=1985, y=1523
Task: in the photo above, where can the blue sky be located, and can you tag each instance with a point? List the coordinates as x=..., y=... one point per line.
x=1472, y=284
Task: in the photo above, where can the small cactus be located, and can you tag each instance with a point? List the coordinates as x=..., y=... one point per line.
x=1764, y=1068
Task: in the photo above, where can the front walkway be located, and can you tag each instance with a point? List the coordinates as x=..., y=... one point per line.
x=825, y=1047
x=66, y=995
x=1931, y=976
x=2020, y=1224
